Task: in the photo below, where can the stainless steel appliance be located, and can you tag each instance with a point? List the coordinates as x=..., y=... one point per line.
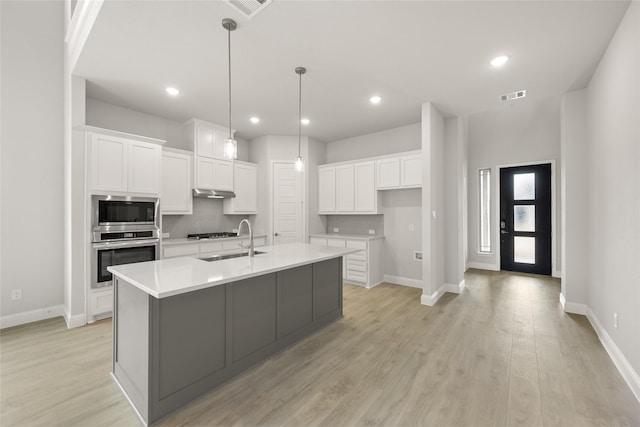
x=125, y=230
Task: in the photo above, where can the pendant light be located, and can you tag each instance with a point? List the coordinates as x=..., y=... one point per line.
x=299, y=162
x=230, y=144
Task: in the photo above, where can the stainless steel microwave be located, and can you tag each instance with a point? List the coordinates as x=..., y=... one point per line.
x=124, y=217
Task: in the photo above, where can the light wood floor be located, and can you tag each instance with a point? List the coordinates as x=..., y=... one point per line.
x=502, y=353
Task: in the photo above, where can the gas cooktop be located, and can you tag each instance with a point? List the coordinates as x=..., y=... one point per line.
x=217, y=235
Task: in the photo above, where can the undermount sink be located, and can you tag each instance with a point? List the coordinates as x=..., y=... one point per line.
x=227, y=256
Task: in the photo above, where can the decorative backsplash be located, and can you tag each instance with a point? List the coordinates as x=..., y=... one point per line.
x=355, y=224
x=207, y=217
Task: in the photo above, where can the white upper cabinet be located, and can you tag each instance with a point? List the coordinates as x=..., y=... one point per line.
x=327, y=189
x=206, y=139
x=345, y=187
x=366, y=196
x=411, y=170
x=213, y=174
x=175, y=193
x=404, y=171
x=245, y=179
x=123, y=165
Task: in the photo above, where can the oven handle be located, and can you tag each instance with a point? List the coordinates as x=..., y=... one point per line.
x=129, y=244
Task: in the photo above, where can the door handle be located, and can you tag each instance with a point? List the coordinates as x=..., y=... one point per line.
x=276, y=234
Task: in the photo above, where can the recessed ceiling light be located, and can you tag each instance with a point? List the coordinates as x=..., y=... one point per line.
x=499, y=61
x=375, y=99
x=255, y=120
x=172, y=91
x=305, y=121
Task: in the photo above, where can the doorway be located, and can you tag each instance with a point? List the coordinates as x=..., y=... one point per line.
x=526, y=219
x=287, y=211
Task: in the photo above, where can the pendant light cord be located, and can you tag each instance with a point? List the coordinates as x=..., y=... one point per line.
x=299, y=114
x=229, y=49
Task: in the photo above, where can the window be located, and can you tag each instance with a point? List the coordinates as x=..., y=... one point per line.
x=485, y=210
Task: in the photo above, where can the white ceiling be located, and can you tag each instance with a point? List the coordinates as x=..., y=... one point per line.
x=408, y=52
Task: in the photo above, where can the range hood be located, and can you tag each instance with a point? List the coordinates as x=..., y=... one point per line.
x=213, y=194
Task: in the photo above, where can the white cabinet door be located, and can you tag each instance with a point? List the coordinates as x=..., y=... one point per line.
x=411, y=170
x=205, y=175
x=327, y=190
x=245, y=183
x=223, y=175
x=175, y=194
x=388, y=173
x=345, y=195
x=109, y=163
x=144, y=167
x=366, y=200
x=205, y=139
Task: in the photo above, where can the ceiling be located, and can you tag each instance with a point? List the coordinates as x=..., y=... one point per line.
x=408, y=52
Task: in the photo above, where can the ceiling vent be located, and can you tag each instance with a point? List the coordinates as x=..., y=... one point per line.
x=249, y=8
x=513, y=95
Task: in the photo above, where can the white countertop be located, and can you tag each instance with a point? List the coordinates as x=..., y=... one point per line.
x=174, y=276
x=349, y=236
x=185, y=241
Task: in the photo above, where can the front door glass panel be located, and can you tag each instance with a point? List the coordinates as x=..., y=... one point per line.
x=524, y=218
x=524, y=186
x=524, y=249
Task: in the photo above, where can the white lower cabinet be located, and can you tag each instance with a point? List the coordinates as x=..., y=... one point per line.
x=200, y=249
x=100, y=302
x=360, y=268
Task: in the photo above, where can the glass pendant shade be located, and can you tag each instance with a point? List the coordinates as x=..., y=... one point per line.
x=230, y=149
x=299, y=164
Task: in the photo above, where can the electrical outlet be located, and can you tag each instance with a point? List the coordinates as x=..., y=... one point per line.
x=412, y=227
x=336, y=230
x=16, y=294
x=615, y=320
x=417, y=256
x=372, y=231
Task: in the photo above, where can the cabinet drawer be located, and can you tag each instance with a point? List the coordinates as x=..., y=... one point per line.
x=210, y=247
x=353, y=265
x=234, y=244
x=356, y=276
x=356, y=244
x=174, y=251
x=358, y=256
x=318, y=241
x=101, y=301
x=337, y=243
x=260, y=241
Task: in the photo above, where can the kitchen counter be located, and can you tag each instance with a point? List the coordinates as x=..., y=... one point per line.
x=185, y=241
x=175, y=276
x=349, y=236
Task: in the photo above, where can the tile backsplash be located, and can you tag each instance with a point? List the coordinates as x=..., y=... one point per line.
x=207, y=217
x=355, y=224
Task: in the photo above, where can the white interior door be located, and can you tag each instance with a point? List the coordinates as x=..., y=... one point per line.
x=287, y=203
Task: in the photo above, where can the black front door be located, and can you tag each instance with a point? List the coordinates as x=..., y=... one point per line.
x=525, y=219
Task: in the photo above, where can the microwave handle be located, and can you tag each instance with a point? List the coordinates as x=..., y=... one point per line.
x=110, y=245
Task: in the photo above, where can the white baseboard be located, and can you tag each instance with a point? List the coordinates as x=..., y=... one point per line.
x=31, y=316
x=557, y=274
x=75, y=320
x=621, y=362
x=404, y=281
x=430, y=300
x=483, y=266
x=455, y=289
x=374, y=285
x=572, y=307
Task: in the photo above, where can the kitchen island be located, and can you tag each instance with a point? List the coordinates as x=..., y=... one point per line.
x=182, y=326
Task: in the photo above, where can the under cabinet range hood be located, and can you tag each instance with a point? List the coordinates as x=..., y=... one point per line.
x=213, y=194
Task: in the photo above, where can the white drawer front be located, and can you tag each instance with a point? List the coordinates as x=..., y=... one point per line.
x=356, y=265
x=234, y=244
x=101, y=302
x=356, y=244
x=260, y=241
x=358, y=256
x=337, y=243
x=318, y=241
x=357, y=276
x=174, y=251
x=210, y=247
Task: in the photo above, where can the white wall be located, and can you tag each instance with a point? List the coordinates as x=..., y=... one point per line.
x=115, y=117
x=574, y=183
x=32, y=156
x=521, y=132
x=614, y=188
x=396, y=140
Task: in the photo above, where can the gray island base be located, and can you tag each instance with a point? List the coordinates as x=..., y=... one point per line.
x=169, y=351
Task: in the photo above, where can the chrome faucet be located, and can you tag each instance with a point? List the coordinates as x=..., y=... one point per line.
x=246, y=221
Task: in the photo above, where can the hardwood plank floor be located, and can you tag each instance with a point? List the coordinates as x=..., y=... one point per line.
x=502, y=353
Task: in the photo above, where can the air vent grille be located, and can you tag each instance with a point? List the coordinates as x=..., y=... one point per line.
x=513, y=95
x=250, y=8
